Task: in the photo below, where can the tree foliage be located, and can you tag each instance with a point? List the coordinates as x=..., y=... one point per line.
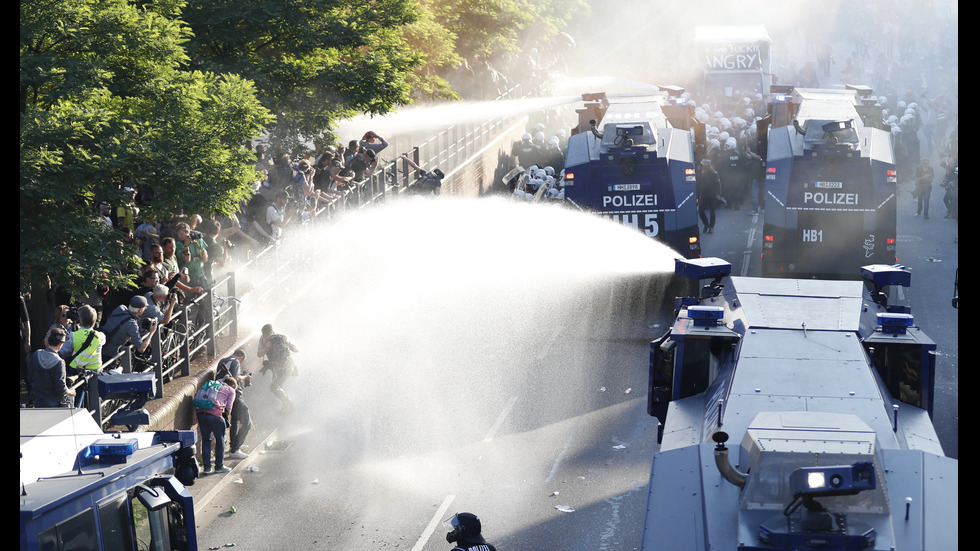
x=313, y=61
x=106, y=102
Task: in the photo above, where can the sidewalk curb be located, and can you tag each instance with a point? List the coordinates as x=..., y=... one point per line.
x=202, y=501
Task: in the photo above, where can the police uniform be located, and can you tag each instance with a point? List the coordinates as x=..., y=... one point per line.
x=734, y=177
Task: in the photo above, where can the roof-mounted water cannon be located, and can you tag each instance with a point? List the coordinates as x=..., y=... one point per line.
x=595, y=107
x=816, y=524
x=878, y=277
x=863, y=91
x=698, y=269
x=626, y=132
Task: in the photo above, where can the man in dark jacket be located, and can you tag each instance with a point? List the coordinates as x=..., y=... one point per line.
x=46, y=371
x=710, y=195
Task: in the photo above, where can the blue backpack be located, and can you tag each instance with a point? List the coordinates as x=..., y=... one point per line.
x=207, y=396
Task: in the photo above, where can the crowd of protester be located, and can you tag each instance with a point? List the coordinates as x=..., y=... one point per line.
x=184, y=255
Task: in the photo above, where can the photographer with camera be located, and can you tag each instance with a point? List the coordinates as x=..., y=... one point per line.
x=161, y=303
x=123, y=327
x=241, y=422
x=83, y=349
x=65, y=318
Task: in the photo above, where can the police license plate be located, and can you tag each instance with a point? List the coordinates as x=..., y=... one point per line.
x=626, y=187
x=828, y=185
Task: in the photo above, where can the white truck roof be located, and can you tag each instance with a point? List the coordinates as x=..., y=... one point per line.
x=740, y=33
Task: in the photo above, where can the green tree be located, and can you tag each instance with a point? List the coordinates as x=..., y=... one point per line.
x=106, y=102
x=437, y=48
x=313, y=61
x=484, y=28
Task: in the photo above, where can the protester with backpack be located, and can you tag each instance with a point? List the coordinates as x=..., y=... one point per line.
x=241, y=421
x=278, y=353
x=212, y=421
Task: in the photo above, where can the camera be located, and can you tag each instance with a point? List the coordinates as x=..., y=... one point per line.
x=833, y=480
x=195, y=235
x=72, y=313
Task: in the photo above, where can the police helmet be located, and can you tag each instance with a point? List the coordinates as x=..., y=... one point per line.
x=723, y=137
x=553, y=141
x=439, y=173
x=731, y=144
x=462, y=525
x=539, y=137
x=539, y=127
x=549, y=170
x=526, y=137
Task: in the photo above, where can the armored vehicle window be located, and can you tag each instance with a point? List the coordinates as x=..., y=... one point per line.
x=703, y=359
x=900, y=367
x=115, y=524
x=152, y=527
x=75, y=534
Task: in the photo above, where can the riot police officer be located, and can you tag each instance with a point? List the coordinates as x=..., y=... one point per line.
x=464, y=531
x=524, y=151
x=734, y=174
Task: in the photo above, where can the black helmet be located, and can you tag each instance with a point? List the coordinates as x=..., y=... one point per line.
x=439, y=174
x=462, y=526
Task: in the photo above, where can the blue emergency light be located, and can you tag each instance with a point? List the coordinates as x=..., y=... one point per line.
x=706, y=316
x=894, y=323
x=108, y=450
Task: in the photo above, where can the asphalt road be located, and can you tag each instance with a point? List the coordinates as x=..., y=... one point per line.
x=546, y=439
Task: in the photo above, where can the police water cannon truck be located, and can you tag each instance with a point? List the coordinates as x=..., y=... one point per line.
x=828, y=393
x=636, y=165
x=831, y=184
x=82, y=488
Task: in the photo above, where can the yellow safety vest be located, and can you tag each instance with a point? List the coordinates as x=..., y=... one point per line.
x=91, y=357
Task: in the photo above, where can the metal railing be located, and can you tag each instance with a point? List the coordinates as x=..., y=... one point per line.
x=194, y=327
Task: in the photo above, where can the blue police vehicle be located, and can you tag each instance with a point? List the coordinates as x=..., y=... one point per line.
x=636, y=165
x=831, y=184
x=82, y=488
x=826, y=392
